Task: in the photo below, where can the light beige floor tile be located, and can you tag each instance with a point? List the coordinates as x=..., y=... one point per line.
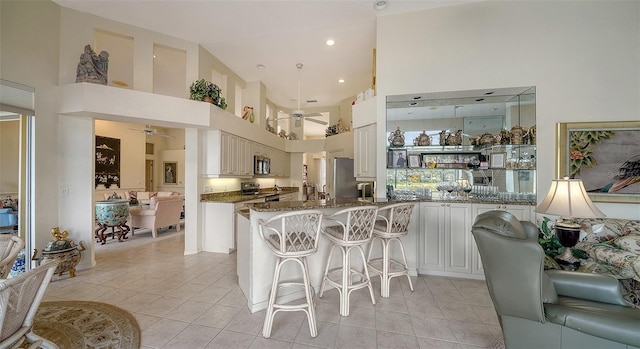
x=234, y=298
x=361, y=317
x=487, y=315
x=182, y=301
x=472, y=333
x=430, y=327
x=211, y=294
x=246, y=322
x=327, y=332
x=327, y=311
x=161, y=332
x=228, y=339
x=161, y=307
x=192, y=337
x=395, y=341
x=217, y=316
x=263, y=343
x=395, y=322
x=395, y=302
x=355, y=337
x=188, y=311
x=459, y=311
x=145, y=321
x=430, y=343
x=286, y=325
x=424, y=306
x=478, y=298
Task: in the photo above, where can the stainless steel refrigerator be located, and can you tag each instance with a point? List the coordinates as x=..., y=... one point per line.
x=344, y=182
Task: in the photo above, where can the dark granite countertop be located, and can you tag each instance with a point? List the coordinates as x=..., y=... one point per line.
x=235, y=196
x=338, y=203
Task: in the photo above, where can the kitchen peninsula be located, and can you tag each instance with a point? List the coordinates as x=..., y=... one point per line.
x=219, y=214
x=439, y=242
x=256, y=263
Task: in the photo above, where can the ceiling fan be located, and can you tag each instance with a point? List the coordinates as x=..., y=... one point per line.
x=152, y=132
x=298, y=114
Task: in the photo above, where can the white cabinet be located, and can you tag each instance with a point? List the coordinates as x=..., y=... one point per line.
x=364, y=148
x=446, y=244
x=280, y=163
x=227, y=155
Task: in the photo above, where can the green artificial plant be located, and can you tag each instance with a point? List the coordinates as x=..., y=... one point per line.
x=201, y=89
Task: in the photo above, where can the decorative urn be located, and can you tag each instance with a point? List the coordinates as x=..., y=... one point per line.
x=63, y=249
x=396, y=138
x=112, y=212
x=517, y=135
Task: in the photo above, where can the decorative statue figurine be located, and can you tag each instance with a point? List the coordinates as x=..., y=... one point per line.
x=422, y=139
x=92, y=67
x=396, y=138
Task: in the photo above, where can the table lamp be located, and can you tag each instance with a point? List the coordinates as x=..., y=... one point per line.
x=568, y=199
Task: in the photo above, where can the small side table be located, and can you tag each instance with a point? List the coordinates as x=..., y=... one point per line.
x=123, y=229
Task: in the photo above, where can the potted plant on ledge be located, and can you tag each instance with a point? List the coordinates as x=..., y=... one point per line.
x=202, y=90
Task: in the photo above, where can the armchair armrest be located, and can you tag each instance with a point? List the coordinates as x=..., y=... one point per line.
x=593, y=287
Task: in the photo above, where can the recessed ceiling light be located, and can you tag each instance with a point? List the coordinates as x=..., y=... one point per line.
x=488, y=93
x=330, y=42
x=380, y=5
x=413, y=103
x=417, y=97
x=479, y=99
x=260, y=66
x=341, y=81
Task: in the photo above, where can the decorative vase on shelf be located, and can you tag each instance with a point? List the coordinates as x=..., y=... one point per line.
x=396, y=138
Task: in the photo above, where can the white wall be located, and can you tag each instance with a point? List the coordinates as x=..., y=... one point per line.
x=9, y=157
x=583, y=58
x=30, y=57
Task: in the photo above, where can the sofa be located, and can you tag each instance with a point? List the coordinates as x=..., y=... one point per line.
x=142, y=197
x=162, y=212
x=613, y=247
x=540, y=308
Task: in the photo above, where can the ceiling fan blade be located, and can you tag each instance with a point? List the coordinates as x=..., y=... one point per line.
x=162, y=134
x=312, y=114
x=317, y=121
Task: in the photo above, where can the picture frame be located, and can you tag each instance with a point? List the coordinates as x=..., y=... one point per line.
x=170, y=172
x=498, y=160
x=602, y=155
x=397, y=158
x=414, y=160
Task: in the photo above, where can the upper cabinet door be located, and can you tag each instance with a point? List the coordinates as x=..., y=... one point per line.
x=365, y=151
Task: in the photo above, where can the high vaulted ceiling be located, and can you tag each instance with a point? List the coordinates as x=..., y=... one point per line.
x=276, y=34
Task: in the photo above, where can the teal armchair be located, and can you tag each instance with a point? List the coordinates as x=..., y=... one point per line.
x=548, y=309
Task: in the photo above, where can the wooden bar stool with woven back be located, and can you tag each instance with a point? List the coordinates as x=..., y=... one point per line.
x=351, y=229
x=393, y=224
x=291, y=236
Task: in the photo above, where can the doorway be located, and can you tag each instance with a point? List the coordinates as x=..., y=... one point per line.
x=148, y=176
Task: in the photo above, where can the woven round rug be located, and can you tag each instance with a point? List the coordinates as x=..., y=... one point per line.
x=81, y=324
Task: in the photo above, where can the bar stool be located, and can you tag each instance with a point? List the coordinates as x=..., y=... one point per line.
x=291, y=236
x=394, y=223
x=353, y=234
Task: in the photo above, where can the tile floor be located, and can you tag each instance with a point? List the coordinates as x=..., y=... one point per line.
x=195, y=302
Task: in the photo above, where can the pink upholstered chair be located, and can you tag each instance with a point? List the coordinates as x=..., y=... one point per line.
x=162, y=212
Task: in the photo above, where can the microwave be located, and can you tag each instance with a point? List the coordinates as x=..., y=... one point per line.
x=261, y=165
